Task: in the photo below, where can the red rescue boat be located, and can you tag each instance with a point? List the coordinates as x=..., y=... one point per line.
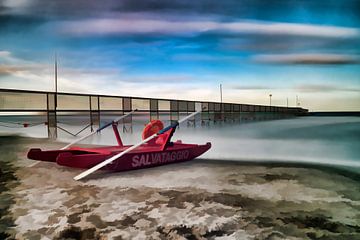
x=155, y=150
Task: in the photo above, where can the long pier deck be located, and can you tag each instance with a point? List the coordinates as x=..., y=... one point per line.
x=54, y=104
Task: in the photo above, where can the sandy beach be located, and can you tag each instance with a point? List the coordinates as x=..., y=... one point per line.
x=201, y=199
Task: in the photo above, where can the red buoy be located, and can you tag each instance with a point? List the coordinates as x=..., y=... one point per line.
x=154, y=126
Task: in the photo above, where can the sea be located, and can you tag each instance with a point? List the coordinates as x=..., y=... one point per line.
x=333, y=141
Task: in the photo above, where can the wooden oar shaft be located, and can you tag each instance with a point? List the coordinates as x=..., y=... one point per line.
x=99, y=129
x=108, y=161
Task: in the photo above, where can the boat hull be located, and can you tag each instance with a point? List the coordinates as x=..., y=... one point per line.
x=142, y=157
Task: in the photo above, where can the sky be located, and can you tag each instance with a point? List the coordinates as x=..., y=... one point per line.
x=185, y=49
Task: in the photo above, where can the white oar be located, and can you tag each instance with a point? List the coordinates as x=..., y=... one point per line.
x=108, y=161
x=99, y=129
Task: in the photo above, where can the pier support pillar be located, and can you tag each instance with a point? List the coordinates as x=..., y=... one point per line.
x=174, y=111
x=154, y=109
x=51, y=115
x=94, y=112
x=127, y=122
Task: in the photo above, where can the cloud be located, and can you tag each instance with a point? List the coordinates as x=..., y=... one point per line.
x=4, y=54
x=310, y=59
x=10, y=65
x=16, y=3
x=313, y=88
x=7, y=58
x=75, y=72
x=287, y=44
x=165, y=78
x=258, y=9
x=295, y=29
x=135, y=26
x=204, y=58
x=9, y=70
x=14, y=66
x=250, y=87
x=304, y=88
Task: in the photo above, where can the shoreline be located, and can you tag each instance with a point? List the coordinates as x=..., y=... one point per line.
x=349, y=171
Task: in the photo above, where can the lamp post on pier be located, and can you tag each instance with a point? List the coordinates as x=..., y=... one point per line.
x=221, y=93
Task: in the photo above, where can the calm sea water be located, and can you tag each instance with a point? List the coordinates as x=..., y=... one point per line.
x=318, y=140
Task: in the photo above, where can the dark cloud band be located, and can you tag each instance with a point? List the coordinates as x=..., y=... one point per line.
x=310, y=59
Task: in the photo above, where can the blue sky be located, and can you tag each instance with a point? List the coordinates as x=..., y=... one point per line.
x=185, y=49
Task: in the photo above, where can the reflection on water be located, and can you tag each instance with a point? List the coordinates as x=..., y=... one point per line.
x=315, y=140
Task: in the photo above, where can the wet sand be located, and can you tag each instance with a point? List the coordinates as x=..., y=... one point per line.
x=201, y=199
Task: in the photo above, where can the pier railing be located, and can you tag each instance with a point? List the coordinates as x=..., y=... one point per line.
x=56, y=104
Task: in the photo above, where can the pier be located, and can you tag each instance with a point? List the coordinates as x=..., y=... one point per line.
x=54, y=105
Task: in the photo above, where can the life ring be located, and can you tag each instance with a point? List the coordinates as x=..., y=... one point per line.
x=154, y=126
